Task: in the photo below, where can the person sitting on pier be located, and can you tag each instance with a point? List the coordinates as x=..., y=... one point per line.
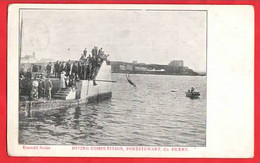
x=102, y=56
x=48, y=88
x=88, y=67
x=82, y=57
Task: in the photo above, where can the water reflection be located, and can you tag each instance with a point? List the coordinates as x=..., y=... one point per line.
x=77, y=113
x=150, y=115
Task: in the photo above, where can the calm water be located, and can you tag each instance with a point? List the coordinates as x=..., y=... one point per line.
x=157, y=113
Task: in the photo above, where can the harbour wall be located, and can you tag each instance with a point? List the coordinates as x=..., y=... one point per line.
x=88, y=89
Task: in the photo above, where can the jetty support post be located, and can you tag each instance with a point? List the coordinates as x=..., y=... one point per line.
x=28, y=108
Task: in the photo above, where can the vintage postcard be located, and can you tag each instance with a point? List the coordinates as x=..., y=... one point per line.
x=130, y=80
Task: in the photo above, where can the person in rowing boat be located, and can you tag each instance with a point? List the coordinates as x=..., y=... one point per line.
x=192, y=90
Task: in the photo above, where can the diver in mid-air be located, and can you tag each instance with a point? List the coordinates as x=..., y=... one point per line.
x=129, y=80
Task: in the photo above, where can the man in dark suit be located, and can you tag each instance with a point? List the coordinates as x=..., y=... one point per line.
x=62, y=67
x=48, y=69
x=41, y=88
x=57, y=69
x=48, y=88
x=75, y=69
x=68, y=68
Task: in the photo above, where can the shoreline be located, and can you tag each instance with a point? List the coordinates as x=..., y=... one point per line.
x=149, y=73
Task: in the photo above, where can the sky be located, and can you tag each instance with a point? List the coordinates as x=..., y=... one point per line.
x=126, y=35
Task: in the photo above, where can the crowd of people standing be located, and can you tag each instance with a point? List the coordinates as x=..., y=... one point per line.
x=35, y=88
x=86, y=68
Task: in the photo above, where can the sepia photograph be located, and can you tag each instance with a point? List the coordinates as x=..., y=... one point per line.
x=112, y=77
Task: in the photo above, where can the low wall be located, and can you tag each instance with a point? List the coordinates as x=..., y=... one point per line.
x=86, y=88
x=55, y=86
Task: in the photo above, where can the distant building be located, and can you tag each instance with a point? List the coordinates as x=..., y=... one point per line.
x=176, y=63
x=122, y=67
x=154, y=70
x=129, y=67
x=118, y=66
x=134, y=62
x=175, y=67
